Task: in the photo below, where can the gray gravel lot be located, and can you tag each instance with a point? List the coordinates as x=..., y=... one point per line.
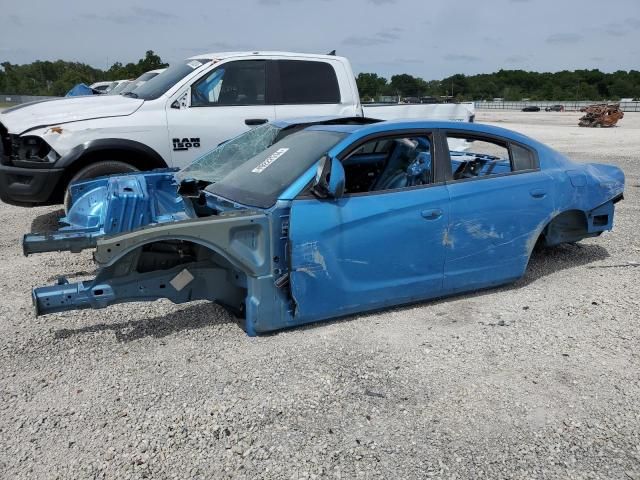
x=535, y=380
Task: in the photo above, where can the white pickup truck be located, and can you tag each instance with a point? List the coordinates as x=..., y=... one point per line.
x=175, y=117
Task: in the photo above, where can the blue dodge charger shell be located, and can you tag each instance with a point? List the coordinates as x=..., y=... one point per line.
x=306, y=220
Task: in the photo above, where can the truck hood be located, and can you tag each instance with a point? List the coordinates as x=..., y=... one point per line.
x=28, y=116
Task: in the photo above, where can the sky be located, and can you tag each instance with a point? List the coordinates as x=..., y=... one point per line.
x=427, y=38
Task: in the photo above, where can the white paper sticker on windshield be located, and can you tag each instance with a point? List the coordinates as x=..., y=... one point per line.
x=269, y=160
x=194, y=64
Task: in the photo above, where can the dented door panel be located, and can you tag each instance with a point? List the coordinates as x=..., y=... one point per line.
x=494, y=225
x=367, y=251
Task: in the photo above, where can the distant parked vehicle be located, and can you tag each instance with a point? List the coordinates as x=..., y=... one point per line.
x=81, y=90
x=531, y=108
x=106, y=87
x=98, y=88
x=141, y=80
x=120, y=88
x=554, y=108
x=102, y=87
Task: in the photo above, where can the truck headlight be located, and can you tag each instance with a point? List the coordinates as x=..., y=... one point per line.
x=34, y=149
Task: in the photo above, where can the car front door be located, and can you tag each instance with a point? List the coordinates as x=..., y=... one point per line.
x=499, y=202
x=221, y=104
x=367, y=250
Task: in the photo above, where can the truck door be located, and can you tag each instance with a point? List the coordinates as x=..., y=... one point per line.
x=221, y=104
x=309, y=88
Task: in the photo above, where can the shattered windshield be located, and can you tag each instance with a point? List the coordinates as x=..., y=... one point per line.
x=219, y=162
x=262, y=178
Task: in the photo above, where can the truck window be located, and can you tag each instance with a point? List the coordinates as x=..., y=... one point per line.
x=235, y=83
x=161, y=83
x=307, y=82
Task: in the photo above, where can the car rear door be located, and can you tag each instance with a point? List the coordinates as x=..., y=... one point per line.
x=496, y=211
x=367, y=250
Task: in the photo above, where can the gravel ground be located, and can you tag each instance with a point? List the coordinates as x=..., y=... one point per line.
x=535, y=380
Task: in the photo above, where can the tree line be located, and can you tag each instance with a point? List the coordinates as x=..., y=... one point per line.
x=508, y=84
x=57, y=78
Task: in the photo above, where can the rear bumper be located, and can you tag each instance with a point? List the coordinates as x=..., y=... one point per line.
x=28, y=186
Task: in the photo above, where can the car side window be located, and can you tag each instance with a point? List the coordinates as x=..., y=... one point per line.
x=523, y=158
x=389, y=163
x=476, y=156
x=234, y=83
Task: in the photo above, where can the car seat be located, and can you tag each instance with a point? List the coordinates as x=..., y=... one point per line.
x=394, y=174
x=419, y=171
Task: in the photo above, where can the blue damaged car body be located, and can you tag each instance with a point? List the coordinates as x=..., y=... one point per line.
x=330, y=219
x=110, y=205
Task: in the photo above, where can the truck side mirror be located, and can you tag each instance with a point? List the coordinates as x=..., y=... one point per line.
x=330, y=179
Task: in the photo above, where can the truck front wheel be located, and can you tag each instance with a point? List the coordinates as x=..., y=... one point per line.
x=99, y=169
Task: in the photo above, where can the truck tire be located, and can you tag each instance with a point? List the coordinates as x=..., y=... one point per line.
x=99, y=169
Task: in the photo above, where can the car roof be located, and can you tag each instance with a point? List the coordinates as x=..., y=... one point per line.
x=362, y=126
x=266, y=53
x=335, y=128
x=417, y=124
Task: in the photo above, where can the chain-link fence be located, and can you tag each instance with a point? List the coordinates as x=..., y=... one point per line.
x=569, y=106
x=16, y=99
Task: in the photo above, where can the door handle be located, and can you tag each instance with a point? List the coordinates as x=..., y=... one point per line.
x=538, y=193
x=431, y=214
x=255, y=121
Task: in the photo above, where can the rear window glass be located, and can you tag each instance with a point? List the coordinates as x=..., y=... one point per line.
x=523, y=158
x=305, y=82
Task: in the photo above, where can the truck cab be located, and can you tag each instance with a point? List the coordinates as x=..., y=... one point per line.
x=185, y=111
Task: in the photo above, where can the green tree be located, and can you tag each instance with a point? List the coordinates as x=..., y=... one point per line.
x=406, y=85
x=57, y=78
x=370, y=85
x=151, y=61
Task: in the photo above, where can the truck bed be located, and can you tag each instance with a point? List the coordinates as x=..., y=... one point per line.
x=457, y=112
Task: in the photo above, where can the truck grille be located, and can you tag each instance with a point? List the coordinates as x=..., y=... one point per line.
x=5, y=144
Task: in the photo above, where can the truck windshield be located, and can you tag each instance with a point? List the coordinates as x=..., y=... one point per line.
x=159, y=84
x=262, y=178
